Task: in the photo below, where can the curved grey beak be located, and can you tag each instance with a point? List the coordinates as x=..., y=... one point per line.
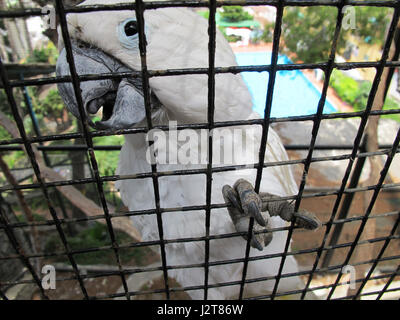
x=122, y=100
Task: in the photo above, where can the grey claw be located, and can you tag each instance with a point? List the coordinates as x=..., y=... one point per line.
x=230, y=194
x=257, y=240
x=268, y=238
x=261, y=240
x=256, y=244
x=250, y=200
x=255, y=212
x=243, y=203
x=306, y=220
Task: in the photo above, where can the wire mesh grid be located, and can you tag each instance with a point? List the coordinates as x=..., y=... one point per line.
x=348, y=188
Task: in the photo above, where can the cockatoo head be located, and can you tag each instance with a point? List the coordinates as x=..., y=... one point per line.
x=176, y=38
x=104, y=46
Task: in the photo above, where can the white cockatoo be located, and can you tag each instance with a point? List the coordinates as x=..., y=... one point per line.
x=177, y=38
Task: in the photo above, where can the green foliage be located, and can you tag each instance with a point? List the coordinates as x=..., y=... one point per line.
x=3, y=105
x=51, y=106
x=36, y=217
x=234, y=14
x=227, y=14
x=371, y=24
x=309, y=31
x=205, y=14
x=96, y=236
x=268, y=32
x=346, y=87
x=13, y=158
x=108, y=160
x=47, y=54
x=360, y=102
x=4, y=135
x=233, y=38
x=391, y=104
x=353, y=92
x=356, y=93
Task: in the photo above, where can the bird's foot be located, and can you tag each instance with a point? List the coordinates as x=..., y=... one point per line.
x=243, y=203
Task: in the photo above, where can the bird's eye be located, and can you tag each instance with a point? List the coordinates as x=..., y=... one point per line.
x=130, y=28
x=127, y=34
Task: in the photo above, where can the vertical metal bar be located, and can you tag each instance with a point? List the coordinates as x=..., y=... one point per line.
x=378, y=257
x=210, y=117
x=395, y=58
x=33, y=117
x=387, y=284
x=344, y=210
x=139, y=9
x=3, y=295
x=88, y=138
x=36, y=169
x=38, y=133
x=356, y=145
x=265, y=128
x=373, y=91
x=364, y=220
x=19, y=250
x=358, y=168
x=316, y=125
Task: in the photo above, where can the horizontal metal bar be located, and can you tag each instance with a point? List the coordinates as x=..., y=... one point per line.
x=129, y=270
x=186, y=71
x=221, y=124
x=82, y=147
x=225, y=284
x=327, y=67
x=211, y=237
x=30, y=12
x=186, y=171
x=48, y=223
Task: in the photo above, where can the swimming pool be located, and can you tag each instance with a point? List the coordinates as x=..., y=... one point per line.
x=294, y=94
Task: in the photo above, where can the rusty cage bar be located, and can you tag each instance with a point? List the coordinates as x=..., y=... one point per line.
x=357, y=154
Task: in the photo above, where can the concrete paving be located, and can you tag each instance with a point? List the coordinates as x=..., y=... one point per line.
x=338, y=132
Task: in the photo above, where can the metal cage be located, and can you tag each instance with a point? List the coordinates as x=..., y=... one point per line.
x=356, y=156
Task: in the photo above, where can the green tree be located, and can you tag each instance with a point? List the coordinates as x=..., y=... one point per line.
x=234, y=14
x=51, y=108
x=356, y=93
x=371, y=24
x=308, y=32
x=46, y=54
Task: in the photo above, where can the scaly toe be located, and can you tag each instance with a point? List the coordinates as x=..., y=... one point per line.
x=249, y=200
x=307, y=220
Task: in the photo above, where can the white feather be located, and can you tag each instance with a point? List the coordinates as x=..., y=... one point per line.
x=178, y=38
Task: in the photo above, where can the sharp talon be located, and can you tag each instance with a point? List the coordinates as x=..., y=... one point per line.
x=244, y=203
x=307, y=220
x=254, y=211
x=230, y=194
x=268, y=238
x=256, y=244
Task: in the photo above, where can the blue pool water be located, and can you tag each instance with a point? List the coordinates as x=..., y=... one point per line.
x=294, y=94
